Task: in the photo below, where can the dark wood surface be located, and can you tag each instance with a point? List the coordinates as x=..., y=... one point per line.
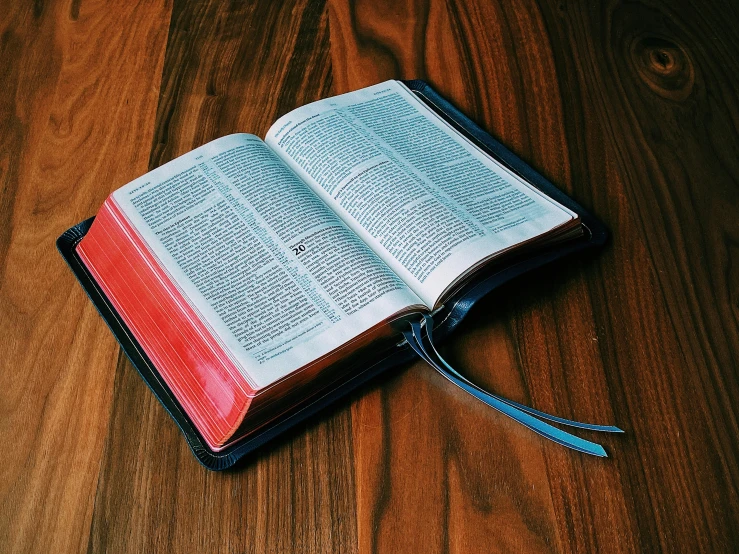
x=631, y=107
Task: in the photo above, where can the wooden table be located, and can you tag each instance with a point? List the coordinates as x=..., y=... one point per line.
x=632, y=108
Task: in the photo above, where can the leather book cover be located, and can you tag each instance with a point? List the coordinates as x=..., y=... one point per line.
x=446, y=319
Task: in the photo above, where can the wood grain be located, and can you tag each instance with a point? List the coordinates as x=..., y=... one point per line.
x=632, y=108
x=639, y=111
x=79, y=91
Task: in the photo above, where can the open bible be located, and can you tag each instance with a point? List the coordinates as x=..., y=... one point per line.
x=251, y=281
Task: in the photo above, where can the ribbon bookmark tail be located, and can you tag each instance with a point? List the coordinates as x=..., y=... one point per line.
x=540, y=427
x=429, y=324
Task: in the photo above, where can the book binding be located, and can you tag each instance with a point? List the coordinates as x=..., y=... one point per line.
x=445, y=320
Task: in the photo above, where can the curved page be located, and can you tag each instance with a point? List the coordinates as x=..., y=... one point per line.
x=430, y=203
x=275, y=274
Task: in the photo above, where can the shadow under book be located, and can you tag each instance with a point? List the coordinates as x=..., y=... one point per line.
x=252, y=282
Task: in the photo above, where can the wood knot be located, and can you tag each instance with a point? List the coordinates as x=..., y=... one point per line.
x=664, y=66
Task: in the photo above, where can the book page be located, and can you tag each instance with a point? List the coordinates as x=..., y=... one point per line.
x=277, y=276
x=427, y=200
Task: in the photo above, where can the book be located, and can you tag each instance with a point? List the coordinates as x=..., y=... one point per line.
x=252, y=281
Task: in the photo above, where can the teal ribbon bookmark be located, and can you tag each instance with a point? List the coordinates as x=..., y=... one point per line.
x=518, y=412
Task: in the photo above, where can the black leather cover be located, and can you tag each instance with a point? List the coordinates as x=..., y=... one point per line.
x=447, y=318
